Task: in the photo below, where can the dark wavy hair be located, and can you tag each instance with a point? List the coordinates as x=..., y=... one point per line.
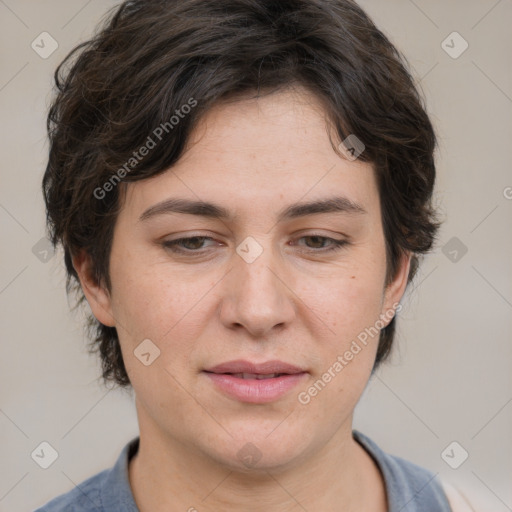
x=150, y=57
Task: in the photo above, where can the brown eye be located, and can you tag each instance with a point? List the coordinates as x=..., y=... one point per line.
x=319, y=243
x=183, y=245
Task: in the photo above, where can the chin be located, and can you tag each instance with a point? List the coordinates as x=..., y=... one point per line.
x=256, y=449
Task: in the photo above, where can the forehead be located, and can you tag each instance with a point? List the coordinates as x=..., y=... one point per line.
x=261, y=152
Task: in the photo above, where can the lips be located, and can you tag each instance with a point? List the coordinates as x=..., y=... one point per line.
x=255, y=382
x=246, y=367
x=258, y=376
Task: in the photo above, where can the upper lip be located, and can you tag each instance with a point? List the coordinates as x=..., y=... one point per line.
x=265, y=368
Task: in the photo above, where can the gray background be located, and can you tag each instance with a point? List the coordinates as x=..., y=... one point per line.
x=449, y=379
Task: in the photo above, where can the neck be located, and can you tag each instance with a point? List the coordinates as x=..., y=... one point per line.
x=168, y=475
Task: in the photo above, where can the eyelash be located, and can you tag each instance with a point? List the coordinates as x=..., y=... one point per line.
x=174, y=245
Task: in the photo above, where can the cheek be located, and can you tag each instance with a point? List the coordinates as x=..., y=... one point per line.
x=352, y=311
x=350, y=307
x=152, y=302
x=347, y=299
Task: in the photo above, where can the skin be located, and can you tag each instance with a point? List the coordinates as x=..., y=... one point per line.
x=295, y=302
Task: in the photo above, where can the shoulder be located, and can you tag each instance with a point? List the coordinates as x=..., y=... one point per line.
x=409, y=486
x=85, y=497
x=107, y=491
x=464, y=496
x=457, y=500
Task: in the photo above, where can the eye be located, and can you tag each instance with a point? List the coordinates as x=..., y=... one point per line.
x=195, y=244
x=191, y=244
x=319, y=243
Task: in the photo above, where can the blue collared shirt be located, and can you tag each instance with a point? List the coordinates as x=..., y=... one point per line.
x=410, y=488
x=107, y=491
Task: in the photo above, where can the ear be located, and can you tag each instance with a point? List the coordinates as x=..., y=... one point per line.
x=96, y=293
x=396, y=288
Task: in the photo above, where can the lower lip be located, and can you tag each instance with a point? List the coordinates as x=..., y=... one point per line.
x=256, y=391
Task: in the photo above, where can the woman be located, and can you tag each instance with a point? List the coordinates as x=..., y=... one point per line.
x=242, y=190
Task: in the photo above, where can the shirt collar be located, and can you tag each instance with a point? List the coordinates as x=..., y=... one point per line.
x=116, y=493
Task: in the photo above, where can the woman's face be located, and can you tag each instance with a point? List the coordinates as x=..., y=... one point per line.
x=269, y=281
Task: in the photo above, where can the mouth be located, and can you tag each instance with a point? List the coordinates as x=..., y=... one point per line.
x=257, y=376
x=243, y=367
x=250, y=382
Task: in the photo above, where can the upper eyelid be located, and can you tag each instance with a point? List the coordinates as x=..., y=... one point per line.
x=298, y=236
x=175, y=241
x=306, y=232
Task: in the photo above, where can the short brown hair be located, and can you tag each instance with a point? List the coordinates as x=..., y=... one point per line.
x=151, y=57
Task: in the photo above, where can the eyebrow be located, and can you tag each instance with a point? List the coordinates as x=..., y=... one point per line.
x=337, y=204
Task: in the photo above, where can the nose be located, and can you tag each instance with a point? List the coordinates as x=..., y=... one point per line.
x=256, y=295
